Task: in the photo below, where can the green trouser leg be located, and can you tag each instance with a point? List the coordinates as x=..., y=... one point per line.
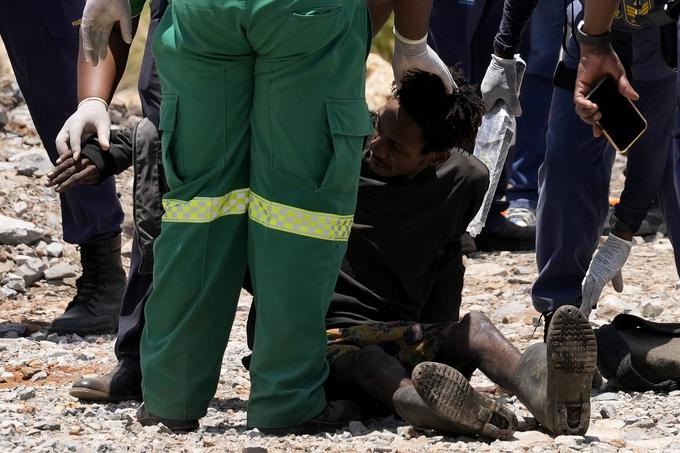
x=268, y=97
x=200, y=255
x=309, y=121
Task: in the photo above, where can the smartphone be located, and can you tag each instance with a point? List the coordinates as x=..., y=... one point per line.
x=621, y=122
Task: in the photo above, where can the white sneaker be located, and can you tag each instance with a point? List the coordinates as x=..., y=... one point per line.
x=523, y=217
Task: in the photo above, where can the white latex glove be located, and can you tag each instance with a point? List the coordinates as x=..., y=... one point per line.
x=416, y=54
x=99, y=16
x=91, y=117
x=605, y=266
x=503, y=80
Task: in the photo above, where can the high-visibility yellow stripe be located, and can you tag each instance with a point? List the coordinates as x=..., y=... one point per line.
x=278, y=216
x=206, y=209
x=319, y=225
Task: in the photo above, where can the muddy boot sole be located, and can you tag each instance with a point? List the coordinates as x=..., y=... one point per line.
x=452, y=397
x=572, y=357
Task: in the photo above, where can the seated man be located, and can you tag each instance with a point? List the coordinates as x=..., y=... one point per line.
x=393, y=330
x=397, y=299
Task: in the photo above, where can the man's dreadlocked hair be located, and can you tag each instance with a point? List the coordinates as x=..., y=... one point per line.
x=447, y=120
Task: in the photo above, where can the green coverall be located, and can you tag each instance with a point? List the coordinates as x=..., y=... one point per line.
x=263, y=118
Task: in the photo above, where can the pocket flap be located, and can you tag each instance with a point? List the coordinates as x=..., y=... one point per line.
x=348, y=117
x=168, y=112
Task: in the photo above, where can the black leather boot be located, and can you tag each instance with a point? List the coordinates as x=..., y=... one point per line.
x=96, y=305
x=146, y=418
x=120, y=384
x=335, y=415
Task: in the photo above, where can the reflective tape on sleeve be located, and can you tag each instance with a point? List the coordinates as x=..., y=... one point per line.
x=206, y=209
x=318, y=225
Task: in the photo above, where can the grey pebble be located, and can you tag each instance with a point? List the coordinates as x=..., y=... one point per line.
x=608, y=411
x=26, y=394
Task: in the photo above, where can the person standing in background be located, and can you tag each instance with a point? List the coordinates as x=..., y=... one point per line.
x=41, y=39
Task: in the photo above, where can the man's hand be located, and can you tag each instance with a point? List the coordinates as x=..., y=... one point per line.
x=503, y=80
x=416, y=54
x=605, y=266
x=92, y=116
x=595, y=64
x=99, y=16
x=70, y=172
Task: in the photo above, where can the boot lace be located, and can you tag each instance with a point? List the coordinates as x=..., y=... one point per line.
x=88, y=285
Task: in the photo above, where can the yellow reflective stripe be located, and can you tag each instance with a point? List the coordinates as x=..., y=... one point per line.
x=318, y=225
x=206, y=209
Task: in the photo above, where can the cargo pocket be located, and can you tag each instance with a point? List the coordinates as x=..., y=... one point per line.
x=316, y=12
x=349, y=124
x=169, y=141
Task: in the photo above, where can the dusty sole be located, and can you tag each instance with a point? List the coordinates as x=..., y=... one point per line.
x=572, y=357
x=88, y=394
x=452, y=397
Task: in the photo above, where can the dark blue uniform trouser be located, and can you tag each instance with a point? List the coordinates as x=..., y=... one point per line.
x=545, y=29
x=462, y=31
x=574, y=178
x=139, y=285
x=42, y=43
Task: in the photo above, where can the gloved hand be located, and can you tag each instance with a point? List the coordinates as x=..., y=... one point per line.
x=92, y=116
x=605, y=266
x=416, y=54
x=503, y=80
x=95, y=27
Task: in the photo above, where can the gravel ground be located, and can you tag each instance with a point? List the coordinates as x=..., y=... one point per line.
x=36, y=369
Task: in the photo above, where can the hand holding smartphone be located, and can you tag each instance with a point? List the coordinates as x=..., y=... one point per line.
x=621, y=122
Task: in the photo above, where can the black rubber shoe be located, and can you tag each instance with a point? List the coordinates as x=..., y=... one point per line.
x=96, y=305
x=572, y=357
x=121, y=384
x=336, y=415
x=452, y=397
x=500, y=233
x=176, y=426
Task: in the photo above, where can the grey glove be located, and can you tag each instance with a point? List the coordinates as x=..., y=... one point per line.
x=605, y=266
x=416, y=54
x=503, y=80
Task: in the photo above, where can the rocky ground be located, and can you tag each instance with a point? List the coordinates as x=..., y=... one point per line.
x=37, y=275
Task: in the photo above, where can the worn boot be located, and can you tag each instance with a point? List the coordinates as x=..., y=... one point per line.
x=449, y=401
x=411, y=407
x=121, y=384
x=553, y=380
x=96, y=305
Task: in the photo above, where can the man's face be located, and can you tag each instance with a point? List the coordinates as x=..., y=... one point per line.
x=396, y=148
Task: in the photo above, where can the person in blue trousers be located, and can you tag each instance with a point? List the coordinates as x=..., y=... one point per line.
x=462, y=32
x=545, y=38
x=42, y=43
x=574, y=177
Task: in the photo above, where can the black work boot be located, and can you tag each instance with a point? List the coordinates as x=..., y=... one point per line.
x=96, y=305
x=500, y=233
x=447, y=393
x=553, y=379
x=176, y=426
x=334, y=416
x=120, y=384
